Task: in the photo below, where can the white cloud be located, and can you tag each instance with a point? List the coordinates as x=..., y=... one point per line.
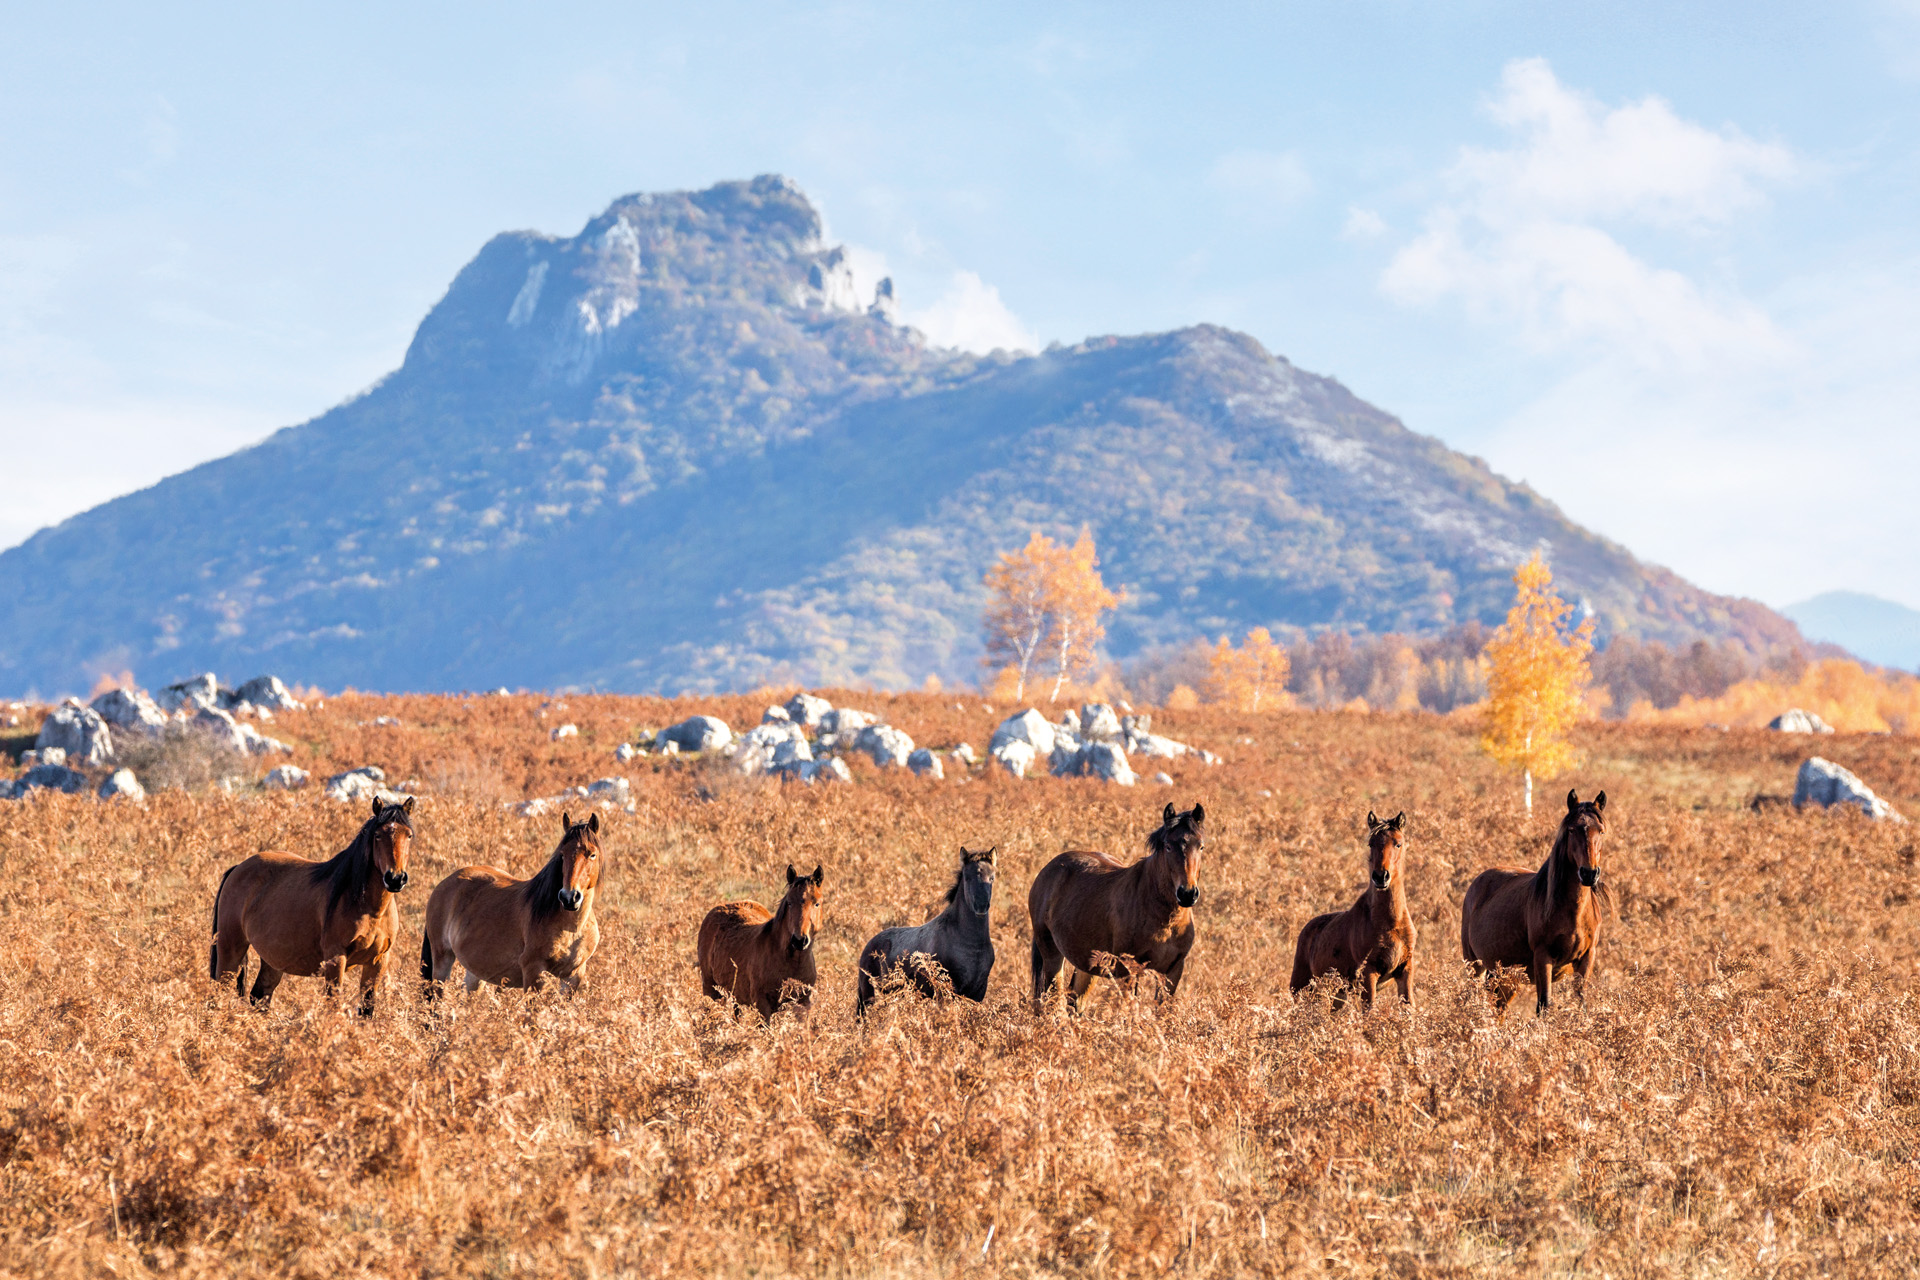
x=1363, y=224
x=1265, y=181
x=1519, y=238
x=971, y=315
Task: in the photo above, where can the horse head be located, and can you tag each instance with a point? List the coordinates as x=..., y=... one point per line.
x=1580, y=833
x=802, y=907
x=579, y=860
x=389, y=834
x=1180, y=839
x=976, y=879
x=1385, y=844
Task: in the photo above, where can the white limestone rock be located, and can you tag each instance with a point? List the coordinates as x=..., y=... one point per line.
x=131, y=711
x=122, y=785
x=806, y=710
x=269, y=693
x=696, y=733
x=1099, y=723
x=624, y=752
x=926, y=764
x=771, y=747
x=1028, y=726
x=841, y=727
x=889, y=747
x=1825, y=784
x=78, y=730
x=223, y=730
x=1794, y=720
x=190, y=695
x=564, y=731
x=964, y=753
x=1015, y=755
x=285, y=777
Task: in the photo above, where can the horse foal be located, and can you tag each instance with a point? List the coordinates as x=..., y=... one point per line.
x=1373, y=938
x=308, y=918
x=764, y=959
x=514, y=933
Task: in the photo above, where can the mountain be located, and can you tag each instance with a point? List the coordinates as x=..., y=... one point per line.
x=675, y=452
x=1880, y=631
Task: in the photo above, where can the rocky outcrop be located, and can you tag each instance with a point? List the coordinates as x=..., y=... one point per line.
x=285, y=777
x=44, y=777
x=267, y=692
x=1015, y=755
x=78, y=730
x=122, y=785
x=926, y=764
x=806, y=710
x=695, y=733
x=130, y=711
x=771, y=747
x=1099, y=723
x=1029, y=727
x=190, y=695
x=889, y=747
x=366, y=783
x=1794, y=720
x=1824, y=784
x=841, y=727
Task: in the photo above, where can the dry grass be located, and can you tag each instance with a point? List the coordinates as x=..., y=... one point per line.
x=1741, y=1095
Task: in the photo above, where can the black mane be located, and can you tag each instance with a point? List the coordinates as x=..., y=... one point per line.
x=346, y=873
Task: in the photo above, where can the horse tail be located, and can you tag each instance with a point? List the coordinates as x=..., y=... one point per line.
x=1302, y=960
x=426, y=955
x=213, y=953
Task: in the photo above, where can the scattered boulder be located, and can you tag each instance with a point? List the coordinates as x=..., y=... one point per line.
x=806, y=710
x=695, y=733
x=78, y=730
x=1070, y=720
x=964, y=753
x=889, y=747
x=625, y=752
x=614, y=791
x=122, y=785
x=831, y=770
x=926, y=764
x=267, y=692
x=1028, y=726
x=43, y=755
x=50, y=777
x=771, y=747
x=1164, y=778
x=286, y=777
x=221, y=728
x=1015, y=756
x=190, y=695
x=842, y=726
x=564, y=731
x=1794, y=720
x=1104, y=760
x=1099, y=722
x=365, y=783
x=1824, y=783
x=775, y=715
x=130, y=710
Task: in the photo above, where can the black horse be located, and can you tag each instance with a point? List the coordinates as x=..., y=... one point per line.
x=956, y=943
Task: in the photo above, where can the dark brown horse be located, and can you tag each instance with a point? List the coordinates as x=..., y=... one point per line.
x=516, y=932
x=1373, y=938
x=315, y=917
x=762, y=958
x=1104, y=916
x=1548, y=920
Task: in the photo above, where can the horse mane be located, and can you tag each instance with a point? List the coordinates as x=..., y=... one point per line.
x=959, y=878
x=345, y=873
x=1157, y=838
x=542, y=892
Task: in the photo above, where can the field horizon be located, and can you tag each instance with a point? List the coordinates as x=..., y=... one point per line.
x=1739, y=1094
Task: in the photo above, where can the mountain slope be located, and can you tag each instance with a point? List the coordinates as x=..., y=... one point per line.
x=1880, y=631
x=675, y=452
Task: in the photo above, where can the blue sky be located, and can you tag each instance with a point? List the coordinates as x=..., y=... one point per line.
x=1663, y=266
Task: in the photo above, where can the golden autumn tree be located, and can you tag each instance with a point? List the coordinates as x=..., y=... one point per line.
x=1537, y=678
x=1044, y=605
x=1250, y=675
x=1080, y=599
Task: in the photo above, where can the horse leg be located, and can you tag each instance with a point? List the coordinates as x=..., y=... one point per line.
x=1172, y=976
x=330, y=972
x=1077, y=987
x=1046, y=967
x=263, y=984
x=370, y=982
x=1368, y=981
x=1581, y=968
x=1403, y=979
x=1542, y=982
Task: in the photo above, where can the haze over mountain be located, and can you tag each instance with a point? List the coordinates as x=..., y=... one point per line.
x=676, y=452
x=1881, y=631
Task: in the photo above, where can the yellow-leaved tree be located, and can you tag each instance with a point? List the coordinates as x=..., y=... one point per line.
x=1044, y=605
x=1536, y=680
x=1249, y=676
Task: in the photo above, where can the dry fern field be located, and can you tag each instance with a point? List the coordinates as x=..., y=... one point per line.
x=1740, y=1095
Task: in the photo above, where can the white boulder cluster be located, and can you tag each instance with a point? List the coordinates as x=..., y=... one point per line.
x=601, y=793
x=1794, y=720
x=1824, y=784
x=355, y=786
x=76, y=735
x=1094, y=742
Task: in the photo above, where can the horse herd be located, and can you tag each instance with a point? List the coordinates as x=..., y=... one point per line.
x=1104, y=917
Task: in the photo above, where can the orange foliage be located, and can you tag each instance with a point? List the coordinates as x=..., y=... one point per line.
x=1843, y=693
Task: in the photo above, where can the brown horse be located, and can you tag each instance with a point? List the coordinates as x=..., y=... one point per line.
x=515, y=932
x=315, y=917
x=1373, y=938
x=1547, y=920
x=764, y=958
x=1106, y=917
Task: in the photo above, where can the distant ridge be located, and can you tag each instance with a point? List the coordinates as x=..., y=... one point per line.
x=676, y=453
x=1881, y=631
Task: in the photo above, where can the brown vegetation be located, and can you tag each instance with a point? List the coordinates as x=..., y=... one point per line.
x=1740, y=1094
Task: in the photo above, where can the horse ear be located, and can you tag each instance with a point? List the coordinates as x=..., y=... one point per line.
x=1399, y=820
x=819, y=873
x=1573, y=801
x=988, y=855
x=1372, y=821
x=566, y=822
x=791, y=877
x=1199, y=815
x=1600, y=802
x=376, y=806
x=1166, y=819
x=593, y=824
x=407, y=808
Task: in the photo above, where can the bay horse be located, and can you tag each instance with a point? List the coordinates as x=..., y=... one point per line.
x=761, y=958
x=514, y=933
x=308, y=918
x=1373, y=938
x=1087, y=905
x=956, y=943
x=1548, y=920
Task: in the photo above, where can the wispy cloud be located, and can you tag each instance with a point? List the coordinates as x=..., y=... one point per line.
x=970, y=315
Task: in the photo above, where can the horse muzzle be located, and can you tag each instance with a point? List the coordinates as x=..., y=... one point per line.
x=800, y=942
x=394, y=880
x=1590, y=877
x=1382, y=880
x=1186, y=895
x=571, y=898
